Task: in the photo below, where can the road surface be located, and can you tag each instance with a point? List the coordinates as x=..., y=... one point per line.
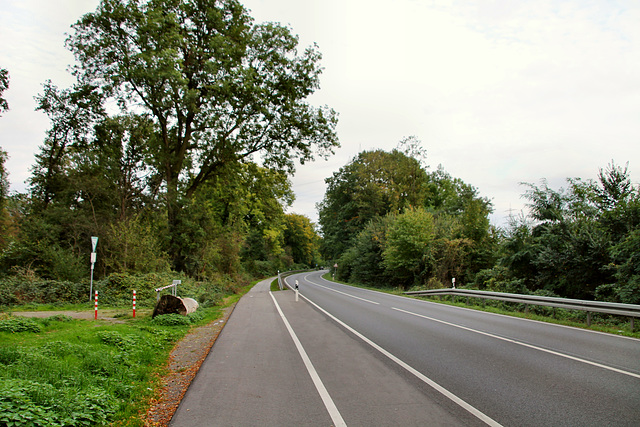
x=347, y=356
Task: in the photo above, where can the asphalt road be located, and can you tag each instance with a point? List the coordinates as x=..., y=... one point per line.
x=347, y=356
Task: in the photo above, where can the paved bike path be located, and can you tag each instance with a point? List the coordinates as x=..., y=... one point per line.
x=255, y=375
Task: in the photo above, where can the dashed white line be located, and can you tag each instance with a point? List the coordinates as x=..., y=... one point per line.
x=556, y=353
x=343, y=293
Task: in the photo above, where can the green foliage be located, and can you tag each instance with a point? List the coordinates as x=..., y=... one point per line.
x=19, y=324
x=31, y=403
x=172, y=320
x=450, y=235
x=301, y=240
x=4, y=85
x=25, y=287
x=173, y=185
x=407, y=244
x=372, y=185
x=363, y=262
x=69, y=374
x=579, y=242
x=211, y=108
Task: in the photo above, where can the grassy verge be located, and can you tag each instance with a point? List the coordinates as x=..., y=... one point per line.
x=274, y=285
x=60, y=371
x=602, y=323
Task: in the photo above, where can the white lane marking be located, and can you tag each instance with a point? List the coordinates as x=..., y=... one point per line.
x=486, y=419
x=340, y=292
x=324, y=394
x=522, y=319
x=556, y=353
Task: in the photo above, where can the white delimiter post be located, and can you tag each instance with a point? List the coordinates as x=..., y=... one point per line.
x=296, y=291
x=94, y=243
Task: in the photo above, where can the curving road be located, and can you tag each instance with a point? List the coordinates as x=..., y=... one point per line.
x=516, y=372
x=348, y=356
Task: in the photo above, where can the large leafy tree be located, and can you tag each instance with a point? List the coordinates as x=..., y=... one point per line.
x=219, y=88
x=301, y=240
x=372, y=185
x=4, y=176
x=407, y=244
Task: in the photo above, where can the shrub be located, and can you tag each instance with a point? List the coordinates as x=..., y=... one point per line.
x=29, y=403
x=172, y=320
x=20, y=290
x=19, y=324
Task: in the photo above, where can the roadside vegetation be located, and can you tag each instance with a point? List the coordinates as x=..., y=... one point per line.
x=174, y=147
x=388, y=220
x=61, y=371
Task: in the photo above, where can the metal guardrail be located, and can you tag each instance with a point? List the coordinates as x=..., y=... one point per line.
x=628, y=310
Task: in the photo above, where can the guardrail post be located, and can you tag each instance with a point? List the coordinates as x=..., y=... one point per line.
x=588, y=318
x=632, y=326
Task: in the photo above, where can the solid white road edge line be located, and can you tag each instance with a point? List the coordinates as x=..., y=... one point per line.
x=324, y=394
x=486, y=419
x=556, y=353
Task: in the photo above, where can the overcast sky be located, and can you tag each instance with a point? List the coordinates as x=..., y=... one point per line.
x=499, y=91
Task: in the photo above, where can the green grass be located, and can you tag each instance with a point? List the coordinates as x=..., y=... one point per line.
x=602, y=323
x=60, y=371
x=274, y=285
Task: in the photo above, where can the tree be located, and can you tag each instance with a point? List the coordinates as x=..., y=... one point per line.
x=372, y=185
x=4, y=85
x=218, y=88
x=4, y=175
x=72, y=113
x=362, y=262
x=301, y=240
x=4, y=193
x=579, y=240
x=407, y=244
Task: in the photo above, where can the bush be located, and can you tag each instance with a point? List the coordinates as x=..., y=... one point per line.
x=172, y=320
x=29, y=403
x=19, y=324
x=19, y=289
x=261, y=268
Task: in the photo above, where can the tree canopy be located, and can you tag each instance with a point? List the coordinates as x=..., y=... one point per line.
x=385, y=217
x=174, y=145
x=215, y=88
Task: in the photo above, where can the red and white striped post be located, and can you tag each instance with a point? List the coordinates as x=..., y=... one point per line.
x=134, y=304
x=96, y=305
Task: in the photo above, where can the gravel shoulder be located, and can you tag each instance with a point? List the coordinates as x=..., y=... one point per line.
x=184, y=362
